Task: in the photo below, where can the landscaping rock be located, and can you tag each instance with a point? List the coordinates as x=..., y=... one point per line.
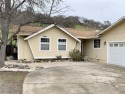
x=17, y=66
x=37, y=68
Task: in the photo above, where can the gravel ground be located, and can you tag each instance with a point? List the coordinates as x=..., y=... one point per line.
x=11, y=82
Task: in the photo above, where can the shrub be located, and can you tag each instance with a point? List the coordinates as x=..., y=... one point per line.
x=59, y=57
x=75, y=55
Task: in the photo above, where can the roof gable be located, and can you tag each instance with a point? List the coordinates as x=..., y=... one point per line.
x=50, y=26
x=113, y=25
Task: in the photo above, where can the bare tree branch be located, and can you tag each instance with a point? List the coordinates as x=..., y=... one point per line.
x=60, y=10
x=13, y=4
x=20, y=4
x=51, y=8
x=19, y=28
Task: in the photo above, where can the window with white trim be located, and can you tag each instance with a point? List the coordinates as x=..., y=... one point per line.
x=61, y=44
x=97, y=43
x=45, y=44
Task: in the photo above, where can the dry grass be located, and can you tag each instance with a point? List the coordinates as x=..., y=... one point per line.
x=11, y=82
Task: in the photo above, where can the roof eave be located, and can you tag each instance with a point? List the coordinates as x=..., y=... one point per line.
x=49, y=28
x=112, y=25
x=87, y=37
x=68, y=33
x=32, y=35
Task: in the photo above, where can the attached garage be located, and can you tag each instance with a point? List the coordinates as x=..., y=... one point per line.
x=116, y=53
x=108, y=46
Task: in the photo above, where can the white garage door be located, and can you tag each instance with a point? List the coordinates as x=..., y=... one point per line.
x=116, y=53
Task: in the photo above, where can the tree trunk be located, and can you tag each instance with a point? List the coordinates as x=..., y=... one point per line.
x=2, y=54
x=5, y=31
x=5, y=19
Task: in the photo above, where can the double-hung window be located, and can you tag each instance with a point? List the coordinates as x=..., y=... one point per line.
x=61, y=44
x=45, y=44
x=97, y=43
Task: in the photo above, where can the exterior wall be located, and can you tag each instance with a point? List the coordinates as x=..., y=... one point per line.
x=115, y=34
x=54, y=34
x=24, y=51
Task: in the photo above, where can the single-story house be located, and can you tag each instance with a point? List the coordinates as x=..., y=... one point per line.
x=49, y=42
x=107, y=46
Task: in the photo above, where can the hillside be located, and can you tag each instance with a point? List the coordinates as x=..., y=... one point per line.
x=83, y=28
x=62, y=20
x=77, y=22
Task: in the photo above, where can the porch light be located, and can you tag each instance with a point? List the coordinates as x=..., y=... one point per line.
x=105, y=43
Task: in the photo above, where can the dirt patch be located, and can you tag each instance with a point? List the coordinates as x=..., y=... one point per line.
x=12, y=82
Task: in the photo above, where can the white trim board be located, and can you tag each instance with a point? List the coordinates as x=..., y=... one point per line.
x=43, y=30
x=31, y=49
x=68, y=33
x=121, y=19
x=50, y=57
x=39, y=32
x=18, y=45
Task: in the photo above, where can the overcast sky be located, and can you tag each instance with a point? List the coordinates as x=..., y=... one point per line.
x=99, y=10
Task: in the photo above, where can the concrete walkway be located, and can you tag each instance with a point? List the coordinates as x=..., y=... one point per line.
x=83, y=78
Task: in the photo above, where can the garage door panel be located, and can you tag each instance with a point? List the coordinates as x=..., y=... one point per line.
x=116, y=55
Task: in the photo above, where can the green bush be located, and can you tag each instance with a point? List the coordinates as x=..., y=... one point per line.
x=59, y=57
x=75, y=55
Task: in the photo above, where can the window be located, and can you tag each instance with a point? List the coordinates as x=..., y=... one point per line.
x=45, y=44
x=61, y=44
x=115, y=45
x=121, y=45
x=97, y=43
x=111, y=45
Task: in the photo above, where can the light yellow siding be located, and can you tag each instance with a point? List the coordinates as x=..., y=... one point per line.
x=54, y=34
x=24, y=51
x=115, y=34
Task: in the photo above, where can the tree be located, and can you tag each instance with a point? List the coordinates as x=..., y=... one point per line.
x=10, y=10
x=106, y=24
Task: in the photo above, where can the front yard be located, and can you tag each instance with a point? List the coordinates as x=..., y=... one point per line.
x=11, y=82
x=64, y=78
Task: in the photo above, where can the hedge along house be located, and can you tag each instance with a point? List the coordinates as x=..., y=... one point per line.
x=49, y=42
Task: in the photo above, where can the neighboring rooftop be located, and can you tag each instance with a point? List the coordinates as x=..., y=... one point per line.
x=28, y=30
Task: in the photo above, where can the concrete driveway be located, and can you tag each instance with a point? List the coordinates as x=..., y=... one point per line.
x=83, y=78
